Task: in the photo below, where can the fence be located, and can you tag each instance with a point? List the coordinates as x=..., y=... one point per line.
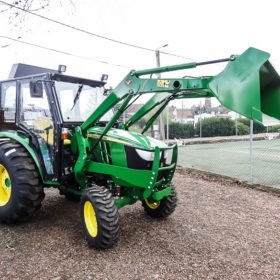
x=254, y=158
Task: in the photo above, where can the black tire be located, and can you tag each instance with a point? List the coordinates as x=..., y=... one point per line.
x=165, y=207
x=107, y=217
x=26, y=193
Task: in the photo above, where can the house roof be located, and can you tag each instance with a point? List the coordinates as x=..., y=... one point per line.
x=185, y=113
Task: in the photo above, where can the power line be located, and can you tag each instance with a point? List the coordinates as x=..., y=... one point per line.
x=93, y=34
x=63, y=52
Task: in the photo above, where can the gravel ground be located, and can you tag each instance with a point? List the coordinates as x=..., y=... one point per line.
x=220, y=230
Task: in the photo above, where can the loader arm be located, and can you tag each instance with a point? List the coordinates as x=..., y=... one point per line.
x=248, y=85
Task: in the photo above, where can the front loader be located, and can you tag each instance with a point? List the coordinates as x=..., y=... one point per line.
x=64, y=132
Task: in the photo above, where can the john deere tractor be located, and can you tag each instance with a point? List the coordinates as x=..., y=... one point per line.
x=64, y=132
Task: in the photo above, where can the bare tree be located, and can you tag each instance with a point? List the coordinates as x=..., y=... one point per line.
x=17, y=15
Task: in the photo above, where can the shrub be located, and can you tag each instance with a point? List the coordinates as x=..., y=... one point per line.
x=242, y=129
x=216, y=127
x=274, y=128
x=257, y=128
x=180, y=130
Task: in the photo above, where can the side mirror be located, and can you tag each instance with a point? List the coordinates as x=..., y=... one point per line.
x=36, y=88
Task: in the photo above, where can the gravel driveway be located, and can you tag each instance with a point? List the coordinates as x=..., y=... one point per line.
x=219, y=231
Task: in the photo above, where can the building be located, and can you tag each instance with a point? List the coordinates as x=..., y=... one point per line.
x=208, y=105
x=183, y=116
x=203, y=116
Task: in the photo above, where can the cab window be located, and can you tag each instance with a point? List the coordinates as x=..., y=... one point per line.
x=8, y=101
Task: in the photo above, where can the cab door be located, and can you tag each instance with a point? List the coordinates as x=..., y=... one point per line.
x=36, y=116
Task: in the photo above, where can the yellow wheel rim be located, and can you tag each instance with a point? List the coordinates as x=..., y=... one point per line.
x=153, y=205
x=90, y=219
x=5, y=186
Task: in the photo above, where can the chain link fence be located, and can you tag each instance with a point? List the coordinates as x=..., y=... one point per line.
x=253, y=157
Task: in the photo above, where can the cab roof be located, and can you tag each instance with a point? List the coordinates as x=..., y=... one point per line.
x=24, y=71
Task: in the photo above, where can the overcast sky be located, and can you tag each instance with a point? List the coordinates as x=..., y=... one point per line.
x=200, y=30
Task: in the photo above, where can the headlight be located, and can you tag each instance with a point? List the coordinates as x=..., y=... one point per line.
x=146, y=155
x=150, y=156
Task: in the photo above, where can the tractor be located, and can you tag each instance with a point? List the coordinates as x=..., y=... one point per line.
x=65, y=132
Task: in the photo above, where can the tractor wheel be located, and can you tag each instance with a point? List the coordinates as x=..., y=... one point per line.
x=100, y=217
x=21, y=192
x=162, y=208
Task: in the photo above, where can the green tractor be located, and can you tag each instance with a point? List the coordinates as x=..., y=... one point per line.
x=64, y=132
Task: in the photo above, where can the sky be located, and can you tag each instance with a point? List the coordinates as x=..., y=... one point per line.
x=198, y=30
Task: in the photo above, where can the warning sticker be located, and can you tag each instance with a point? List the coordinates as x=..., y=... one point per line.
x=128, y=81
x=163, y=83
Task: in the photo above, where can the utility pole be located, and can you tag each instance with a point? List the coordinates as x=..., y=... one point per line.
x=161, y=119
x=167, y=124
x=236, y=130
x=251, y=152
x=182, y=111
x=200, y=128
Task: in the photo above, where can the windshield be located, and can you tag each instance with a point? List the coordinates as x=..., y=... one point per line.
x=77, y=102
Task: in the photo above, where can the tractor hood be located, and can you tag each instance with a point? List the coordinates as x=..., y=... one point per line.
x=128, y=138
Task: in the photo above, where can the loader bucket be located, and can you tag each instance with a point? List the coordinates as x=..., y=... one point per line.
x=249, y=85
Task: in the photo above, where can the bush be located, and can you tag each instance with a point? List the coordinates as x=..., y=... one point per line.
x=242, y=129
x=180, y=130
x=274, y=128
x=257, y=128
x=216, y=127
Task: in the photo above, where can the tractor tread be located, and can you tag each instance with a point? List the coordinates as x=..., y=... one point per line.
x=27, y=190
x=107, y=217
x=167, y=205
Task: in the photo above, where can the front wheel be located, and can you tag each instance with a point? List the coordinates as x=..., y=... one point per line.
x=161, y=208
x=100, y=217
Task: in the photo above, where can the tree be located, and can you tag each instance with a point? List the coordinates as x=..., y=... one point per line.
x=17, y=17
x=17, y=14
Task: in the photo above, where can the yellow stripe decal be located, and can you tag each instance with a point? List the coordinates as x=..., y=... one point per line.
x=92, y=135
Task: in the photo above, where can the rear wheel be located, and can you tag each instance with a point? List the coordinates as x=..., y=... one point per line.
x=20, y=190
x=161, y=208
x=100, y=217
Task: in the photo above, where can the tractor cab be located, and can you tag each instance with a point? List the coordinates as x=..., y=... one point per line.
x=44, y=104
